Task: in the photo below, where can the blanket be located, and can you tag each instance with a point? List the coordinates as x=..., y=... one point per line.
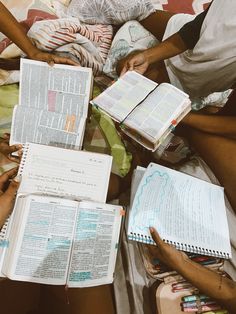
x=88, y=43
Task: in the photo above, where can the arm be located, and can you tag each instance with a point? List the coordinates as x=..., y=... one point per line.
x=7, y=150
x=212, y=124
x=185, y=38
x=7, y=197
x=140, y=61
x=13, y=30
x=208, y=282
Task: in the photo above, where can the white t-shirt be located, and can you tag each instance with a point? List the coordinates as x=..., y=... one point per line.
x=211, y=65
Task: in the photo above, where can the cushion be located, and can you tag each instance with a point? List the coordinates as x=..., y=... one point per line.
x=130, y=37
x=110, y=11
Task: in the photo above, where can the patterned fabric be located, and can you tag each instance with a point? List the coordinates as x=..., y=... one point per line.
x=110, y=11
x=32, y=17
x=130, y=37
x=88, y=43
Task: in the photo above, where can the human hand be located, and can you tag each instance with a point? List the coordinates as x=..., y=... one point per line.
x=7, y=193
x=50, y=58
x=7, y=150
x=135, y=62
x=166, y=253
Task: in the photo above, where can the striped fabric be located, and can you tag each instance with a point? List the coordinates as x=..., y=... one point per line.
x=88, y=43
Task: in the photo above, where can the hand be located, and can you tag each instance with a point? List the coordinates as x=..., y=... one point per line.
x=135, y=62
x=7, y=193
x=7, y=150
x=166, y=253
x=50, y=58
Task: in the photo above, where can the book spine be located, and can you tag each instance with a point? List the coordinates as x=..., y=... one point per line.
x=179, y=246
x=197, y=250
x=23, y=158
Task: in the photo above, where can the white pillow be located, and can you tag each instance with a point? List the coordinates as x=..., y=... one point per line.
x=130, y=37
x=110, y=11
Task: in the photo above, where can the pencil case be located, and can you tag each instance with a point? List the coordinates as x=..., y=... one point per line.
x=173, y=288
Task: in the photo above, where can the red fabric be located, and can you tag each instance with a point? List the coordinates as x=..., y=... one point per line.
x=32, y=17
x=183, y=6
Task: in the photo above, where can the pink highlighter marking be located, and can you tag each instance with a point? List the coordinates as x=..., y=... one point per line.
x=52, y=100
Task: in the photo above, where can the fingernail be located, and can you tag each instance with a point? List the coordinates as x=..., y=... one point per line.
x=17, y=178
x=151, y=229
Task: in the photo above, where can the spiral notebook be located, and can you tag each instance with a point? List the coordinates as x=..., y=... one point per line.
x=63, y=172
x=187, y=212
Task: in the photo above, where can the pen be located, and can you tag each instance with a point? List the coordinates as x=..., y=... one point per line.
x=194, y=304
x=203, y=309
x=195, y=298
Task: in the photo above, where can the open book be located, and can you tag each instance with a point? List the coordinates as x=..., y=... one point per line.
x=61, y=190
x=147, y=112
x=59, y=241
x=187, y=212
x=53, y=104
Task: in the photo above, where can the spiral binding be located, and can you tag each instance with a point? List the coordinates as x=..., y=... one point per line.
x=180, y=246
x=23, y=159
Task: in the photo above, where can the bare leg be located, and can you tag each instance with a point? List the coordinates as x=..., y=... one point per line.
x=18, y=297
x=81, y=300
x=220, y=155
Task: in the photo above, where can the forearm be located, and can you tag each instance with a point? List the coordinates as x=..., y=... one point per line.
x=13, y=30
x=170, y=47
x=213, y=124
x=210, y=283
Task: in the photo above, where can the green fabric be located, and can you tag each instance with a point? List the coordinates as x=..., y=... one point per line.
x=9, y=95
x=121, y=157
x=104, y=136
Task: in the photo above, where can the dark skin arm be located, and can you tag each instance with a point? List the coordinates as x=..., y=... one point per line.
x=14, y=31
x=208, y=282
x=140, y=61
x=212, y=124
x=7, y=193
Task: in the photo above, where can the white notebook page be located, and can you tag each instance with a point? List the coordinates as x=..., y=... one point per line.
x=58, y=171
x=183, y=209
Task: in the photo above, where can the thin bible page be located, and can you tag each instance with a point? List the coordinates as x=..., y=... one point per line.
x=44, y=240
x=95, y=244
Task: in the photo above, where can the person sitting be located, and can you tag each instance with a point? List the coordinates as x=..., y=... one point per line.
x=200, y=58
x=199, y=51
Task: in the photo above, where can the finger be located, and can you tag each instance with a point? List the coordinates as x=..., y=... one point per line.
x=15, y=159
x=124, y=70
x=6, y=136
x=11, y=190
x=14, y=148
x=64, y=60
x=155, y=236
x=8, y=175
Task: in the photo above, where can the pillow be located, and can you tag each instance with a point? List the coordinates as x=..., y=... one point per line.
x=110, y=11
x=130, y=37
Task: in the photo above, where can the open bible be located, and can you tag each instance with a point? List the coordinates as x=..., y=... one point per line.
x=60, y=241
x=147, y=112
x=53, y=104
x=61, y=231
